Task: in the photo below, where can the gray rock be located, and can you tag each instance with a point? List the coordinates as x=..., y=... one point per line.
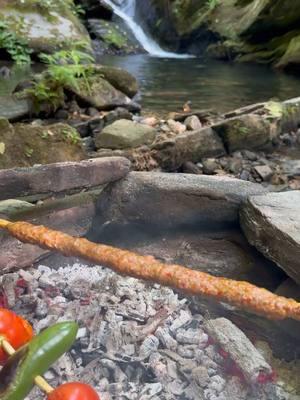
x=271, y=223
x=12, y=206
x=210, y=166
x=124, y=134
x=189, y=146
x=61, y=177
x=248, y=131
x=193, y=123
x=181, y=199
x=45, y=31
x=120, y=79
x=14, y=109
x=100, y=94
x=291, y=168
x=264, y=171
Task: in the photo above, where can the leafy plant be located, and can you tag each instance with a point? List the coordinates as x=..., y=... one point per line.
x=66, y=69
x=15, y=46
x=71, y=135
x=212, y=4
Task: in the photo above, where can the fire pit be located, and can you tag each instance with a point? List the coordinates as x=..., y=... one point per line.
x=139, y=340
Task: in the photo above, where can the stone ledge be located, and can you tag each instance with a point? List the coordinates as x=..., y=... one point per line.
x=61, y=177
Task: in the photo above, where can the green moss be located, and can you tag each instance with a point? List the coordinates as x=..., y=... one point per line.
x=113, y=37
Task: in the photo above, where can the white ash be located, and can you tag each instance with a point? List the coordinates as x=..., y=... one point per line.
x=136, y=341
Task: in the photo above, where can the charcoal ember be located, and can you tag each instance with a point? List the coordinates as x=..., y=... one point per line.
x=191, y=336
x=150, y=390
x=149, y=345
x=41, y=309
x=176, y=387
x=128, y=349
x=200, y=376
x=186, y=351
x=166, y=339
x=114, y=371
x=233, y=341
x=183, y=318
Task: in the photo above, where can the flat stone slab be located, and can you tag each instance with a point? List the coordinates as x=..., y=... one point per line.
x=61, y=177
x=271, y=223
x=175, y=200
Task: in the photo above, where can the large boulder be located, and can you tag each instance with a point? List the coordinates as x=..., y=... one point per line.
x=248, y=131
x=14, y=109
x=179, y=218
x=188, y=146
x=124, y=134
x=170, y=200
x=46, y=26
x=253, y=30
x=119, y=78
x=271, y=223
x=23, y=145
x=99, y=93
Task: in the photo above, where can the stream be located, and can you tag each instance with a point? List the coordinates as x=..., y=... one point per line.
x=166, y=84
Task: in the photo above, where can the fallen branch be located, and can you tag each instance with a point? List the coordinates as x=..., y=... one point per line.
x=241, y=294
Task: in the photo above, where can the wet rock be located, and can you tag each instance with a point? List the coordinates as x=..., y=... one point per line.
x=120, y=79
x=124, y=134
x=248, y=131
x=14, y=109
x=193, y=123
x=271, y=223
x=61, y=114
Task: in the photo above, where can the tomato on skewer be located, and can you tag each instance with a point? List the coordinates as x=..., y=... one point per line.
x=73, y=391
x=15, y=330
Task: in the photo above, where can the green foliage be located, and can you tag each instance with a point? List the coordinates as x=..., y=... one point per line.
x=71, y=135
x=15, y=46
x=65, y=70
x=212, y=4
x=47, y=6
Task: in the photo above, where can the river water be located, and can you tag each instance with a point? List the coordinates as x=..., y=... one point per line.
x=166, y=84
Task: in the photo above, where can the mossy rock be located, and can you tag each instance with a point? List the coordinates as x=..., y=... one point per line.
x=23, y=145
x=45, y=29
x=119, y=78
x=99, y=93
x=247, y=132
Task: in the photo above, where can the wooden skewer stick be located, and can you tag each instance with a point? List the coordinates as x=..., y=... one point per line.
x=39, y=381
x=193, y=282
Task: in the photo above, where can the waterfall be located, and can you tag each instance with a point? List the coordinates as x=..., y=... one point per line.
x=125, y=9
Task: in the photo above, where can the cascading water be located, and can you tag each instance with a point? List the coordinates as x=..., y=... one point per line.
x=126, y=10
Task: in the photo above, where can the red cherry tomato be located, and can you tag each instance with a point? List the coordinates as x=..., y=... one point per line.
x=16, y=330
x=73, y=391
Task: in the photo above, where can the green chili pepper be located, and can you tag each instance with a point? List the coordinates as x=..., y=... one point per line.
x=35, y=358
